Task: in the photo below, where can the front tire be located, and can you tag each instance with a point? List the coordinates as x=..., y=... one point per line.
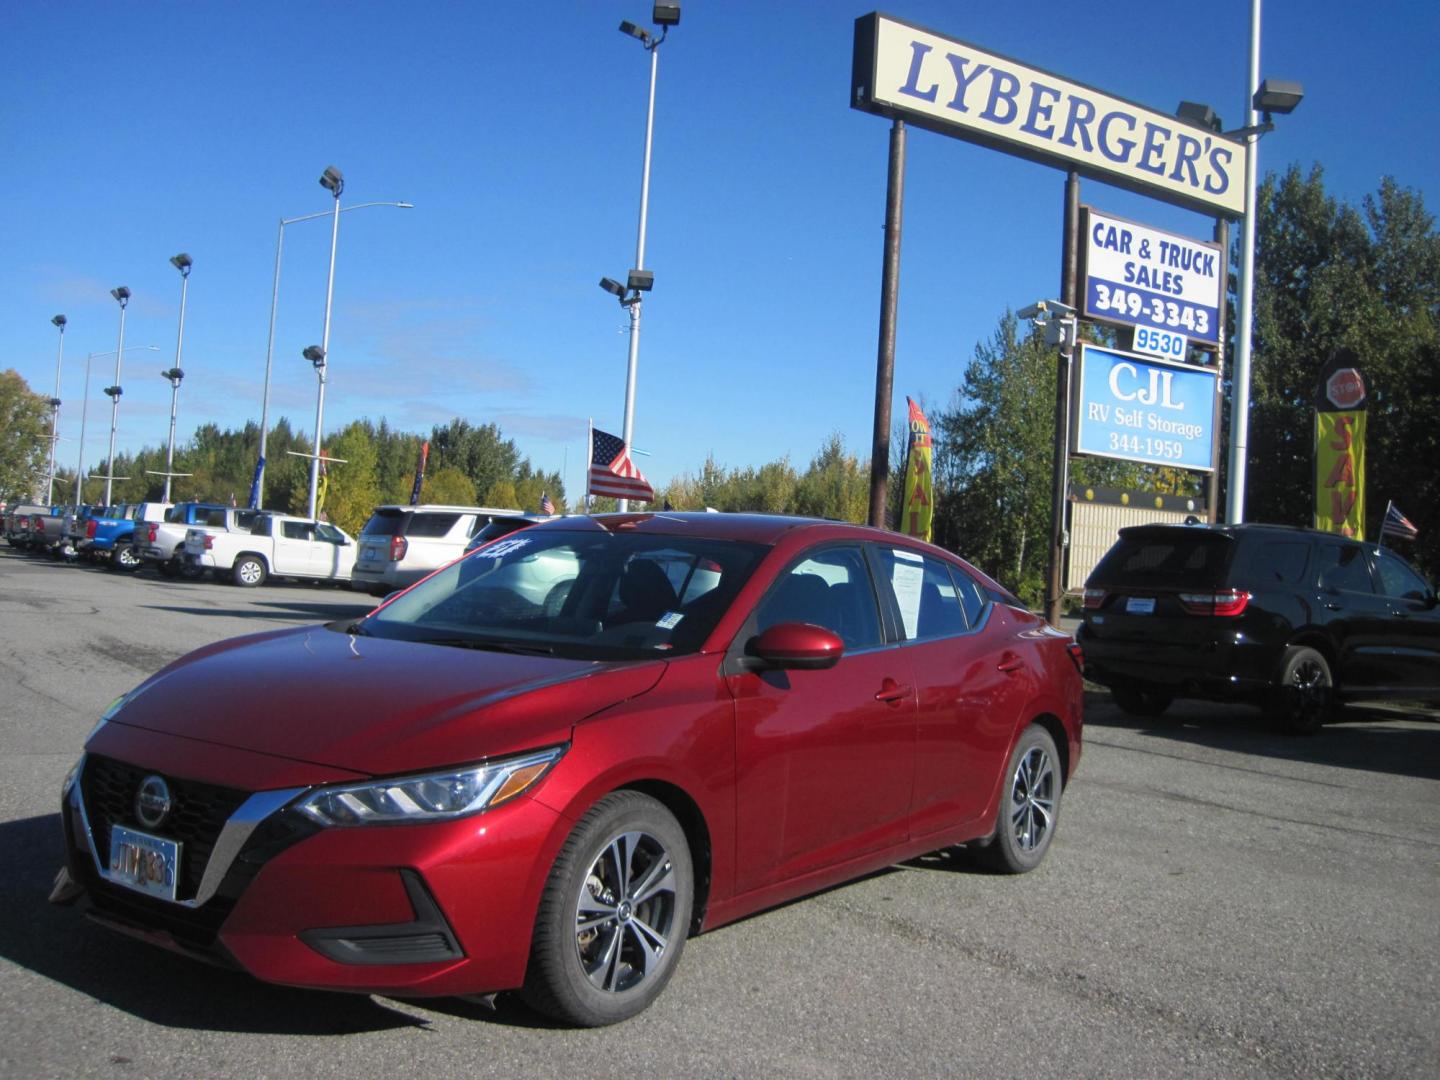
x=1029, y=805
x=1303, y=696
x=614, y=915
x=249, y=571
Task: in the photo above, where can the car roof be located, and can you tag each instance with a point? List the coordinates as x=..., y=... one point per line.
x=400, y=508
x=1229, y=531
x=756, y=528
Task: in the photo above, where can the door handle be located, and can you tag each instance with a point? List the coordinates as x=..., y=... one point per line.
x=892, y=692
x=1011, y=664
x=1329, y=606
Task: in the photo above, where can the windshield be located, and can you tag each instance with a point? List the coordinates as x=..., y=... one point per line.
x=581, y=595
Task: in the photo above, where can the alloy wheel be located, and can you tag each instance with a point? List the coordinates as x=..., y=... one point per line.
x=1032, y=799
x=625, y=914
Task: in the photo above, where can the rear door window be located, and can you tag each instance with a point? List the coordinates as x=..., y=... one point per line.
x=1273, y=562
x=928, y=601
x=1397, y=579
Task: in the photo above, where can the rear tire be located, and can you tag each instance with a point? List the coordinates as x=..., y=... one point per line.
x=1303, y=696
x=1029, y=805
x=125, y=558
x=614, y=915
x=249, y=571
x=1139, y=702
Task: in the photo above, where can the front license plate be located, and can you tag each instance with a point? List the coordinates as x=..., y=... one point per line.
x=1140, y=605
x=147, y=864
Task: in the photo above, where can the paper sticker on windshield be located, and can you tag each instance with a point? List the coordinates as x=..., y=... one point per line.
x=501, y=548
x=669, y=620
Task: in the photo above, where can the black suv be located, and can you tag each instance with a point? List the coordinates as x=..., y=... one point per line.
x=1292, y=620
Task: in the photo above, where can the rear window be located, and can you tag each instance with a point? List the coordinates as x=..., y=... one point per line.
x=1168, y=560
x=431, y=524
x=383, y=523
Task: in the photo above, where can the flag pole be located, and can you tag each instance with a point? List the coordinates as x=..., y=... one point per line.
x=589, y=462
x=1385, y=521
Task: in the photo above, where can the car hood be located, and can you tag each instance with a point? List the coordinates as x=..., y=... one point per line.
x=373, y=705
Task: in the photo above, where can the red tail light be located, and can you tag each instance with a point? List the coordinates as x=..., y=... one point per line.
x=90, y=529
x=1226, y=602
x=150, y=533
x=1077, y=654
x=1094, y=598
x=398, y=546
x=209, y=542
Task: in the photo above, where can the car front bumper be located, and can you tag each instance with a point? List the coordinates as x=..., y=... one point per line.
x=418, y=910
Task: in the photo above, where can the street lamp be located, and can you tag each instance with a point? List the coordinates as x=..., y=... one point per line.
x=1271, y=96
x=333, y=182
x=664, y=15
x=59, y=321
x=259, y=484
x=84, y=413
x=122, y=296
x=183, y=263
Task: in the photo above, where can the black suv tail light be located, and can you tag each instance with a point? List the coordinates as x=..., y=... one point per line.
x=1226, y=602
x=398, y=546
x=1093, y=599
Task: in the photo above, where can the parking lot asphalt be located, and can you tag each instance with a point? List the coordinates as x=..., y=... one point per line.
x=1220, y=901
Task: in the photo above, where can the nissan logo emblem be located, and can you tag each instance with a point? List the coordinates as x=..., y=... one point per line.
x=152, y=801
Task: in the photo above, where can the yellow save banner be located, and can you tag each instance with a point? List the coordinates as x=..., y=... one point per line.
x=1340, y=473
x=917, y=511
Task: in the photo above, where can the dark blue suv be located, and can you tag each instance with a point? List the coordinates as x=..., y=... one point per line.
x=1293, y=620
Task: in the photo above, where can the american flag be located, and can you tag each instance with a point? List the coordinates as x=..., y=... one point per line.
x=612, y=472
x=547, y=504
x=1397, y=524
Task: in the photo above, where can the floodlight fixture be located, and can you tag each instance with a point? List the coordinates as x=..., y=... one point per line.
x=613, y=287
x=122, y=294
x=182, y=262
x=54, y=402
x=59, y=320
x=667, y=13
x=1277, y=96
x=640, y=280
x=637, y=32
x=332, y=180
x=1199, y=113
x=113, y=391
x=174, y=375
x=315, y=354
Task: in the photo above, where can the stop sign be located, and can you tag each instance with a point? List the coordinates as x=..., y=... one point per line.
x=1345, y=388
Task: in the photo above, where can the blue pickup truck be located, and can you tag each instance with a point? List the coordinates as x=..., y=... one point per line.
x=110, y=533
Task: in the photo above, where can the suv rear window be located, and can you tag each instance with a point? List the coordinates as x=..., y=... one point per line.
x=383, y=523
x=1170, y=559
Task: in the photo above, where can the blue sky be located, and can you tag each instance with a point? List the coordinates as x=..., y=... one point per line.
x=131, y=132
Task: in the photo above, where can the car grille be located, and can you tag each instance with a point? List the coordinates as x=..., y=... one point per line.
x=198, y=814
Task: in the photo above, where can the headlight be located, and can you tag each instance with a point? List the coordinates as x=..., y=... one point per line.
x=437, y=796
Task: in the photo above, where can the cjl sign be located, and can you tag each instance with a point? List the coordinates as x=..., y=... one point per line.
x=1137, y=408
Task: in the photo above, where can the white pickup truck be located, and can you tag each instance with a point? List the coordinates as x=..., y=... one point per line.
x=275, y=546
x=162, y=544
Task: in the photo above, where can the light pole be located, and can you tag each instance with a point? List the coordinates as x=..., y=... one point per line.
x=59, y=321
x=84, y=413
x=665, y=15
x=122, y=296
x=1271, y=96
x=333, y=182
x=183, y=263
x=259, y=484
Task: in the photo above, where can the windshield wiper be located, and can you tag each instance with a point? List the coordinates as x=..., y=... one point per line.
x=492, y=645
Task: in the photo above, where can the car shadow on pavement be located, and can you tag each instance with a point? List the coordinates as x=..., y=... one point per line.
x=1374, y=738
x=267, y=609
x=60, y=944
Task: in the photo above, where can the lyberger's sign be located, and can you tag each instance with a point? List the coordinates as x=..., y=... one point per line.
x=960, y=90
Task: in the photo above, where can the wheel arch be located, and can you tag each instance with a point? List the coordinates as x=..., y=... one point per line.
x=697, y=834
x=1310, y=639
x=1051, y=723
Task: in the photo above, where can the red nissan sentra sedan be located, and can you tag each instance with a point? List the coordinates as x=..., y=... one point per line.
x=548, y=763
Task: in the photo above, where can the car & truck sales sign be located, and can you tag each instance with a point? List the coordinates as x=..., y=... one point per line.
x=1165, y=284
x=955, y=88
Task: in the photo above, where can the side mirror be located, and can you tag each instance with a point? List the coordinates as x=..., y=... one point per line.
x=796, y=646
